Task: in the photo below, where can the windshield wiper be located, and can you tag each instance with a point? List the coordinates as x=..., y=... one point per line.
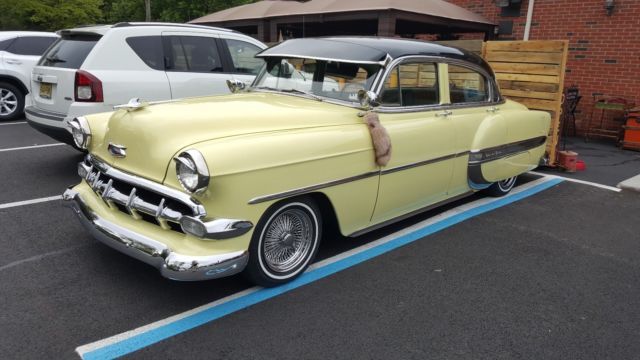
x=296, y=91
x=55, y=60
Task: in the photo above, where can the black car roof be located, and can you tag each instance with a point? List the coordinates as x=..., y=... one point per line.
x=373, y=50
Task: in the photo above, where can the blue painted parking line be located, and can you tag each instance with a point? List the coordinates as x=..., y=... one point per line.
x=137, y=339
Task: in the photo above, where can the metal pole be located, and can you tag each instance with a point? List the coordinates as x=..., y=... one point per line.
x=147, y=10
x=527, y=28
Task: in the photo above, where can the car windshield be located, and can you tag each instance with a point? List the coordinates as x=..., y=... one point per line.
x=317, y=78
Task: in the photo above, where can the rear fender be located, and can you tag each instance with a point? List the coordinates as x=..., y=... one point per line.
x=508, y=146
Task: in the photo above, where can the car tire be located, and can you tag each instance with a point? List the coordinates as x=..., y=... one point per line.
x=284, y=242
x=501, y=188
x=11, y=101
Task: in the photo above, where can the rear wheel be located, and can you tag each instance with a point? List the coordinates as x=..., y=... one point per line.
x=285, y=242
x=501, y=188
x=11, y=101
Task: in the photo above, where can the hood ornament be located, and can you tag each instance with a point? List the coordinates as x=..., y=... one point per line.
x=116, y=150
x=133, y=105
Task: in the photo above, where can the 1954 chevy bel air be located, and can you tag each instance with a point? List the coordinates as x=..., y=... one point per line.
x=356, y=131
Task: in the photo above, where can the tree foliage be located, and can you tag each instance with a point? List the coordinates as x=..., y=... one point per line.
x=59, y=14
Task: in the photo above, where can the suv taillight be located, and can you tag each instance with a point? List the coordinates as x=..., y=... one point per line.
x=88, y=88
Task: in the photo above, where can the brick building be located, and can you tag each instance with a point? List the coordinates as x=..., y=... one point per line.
x=604, y=50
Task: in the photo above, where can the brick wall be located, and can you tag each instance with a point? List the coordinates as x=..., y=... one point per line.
x=604, y=51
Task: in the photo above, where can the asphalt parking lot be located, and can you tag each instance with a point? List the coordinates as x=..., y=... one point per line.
x=553, y=275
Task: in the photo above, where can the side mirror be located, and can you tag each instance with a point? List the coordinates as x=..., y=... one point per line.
x=368, y=99
x=235, y=85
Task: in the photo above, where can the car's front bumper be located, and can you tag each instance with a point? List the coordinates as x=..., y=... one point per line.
x=171, y=264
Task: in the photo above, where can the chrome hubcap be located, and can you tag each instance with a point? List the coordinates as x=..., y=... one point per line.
x=288, y=240
x=8, y=102
x=507, y=184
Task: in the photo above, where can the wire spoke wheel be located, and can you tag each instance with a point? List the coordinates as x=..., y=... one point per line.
x=288, y=240
x=507, y=184
x=501, y=188
x=285, y=242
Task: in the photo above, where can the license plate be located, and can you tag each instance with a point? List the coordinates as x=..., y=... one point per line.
x=45, y=90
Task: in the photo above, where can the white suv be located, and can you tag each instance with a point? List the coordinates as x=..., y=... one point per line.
x=19, y=53
x=91, y=69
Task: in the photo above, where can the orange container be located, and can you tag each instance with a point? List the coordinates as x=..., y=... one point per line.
x=567, y=160
x=631, y=138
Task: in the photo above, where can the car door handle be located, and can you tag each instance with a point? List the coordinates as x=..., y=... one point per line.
x=444, y=113
x=13, y=62
x=493, y=109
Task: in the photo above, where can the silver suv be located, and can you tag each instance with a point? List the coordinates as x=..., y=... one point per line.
x=91, y=69
x=19, y=53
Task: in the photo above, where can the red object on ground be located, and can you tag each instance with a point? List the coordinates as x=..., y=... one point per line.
x=567, y=160
x=580, y=165
x=631, y=139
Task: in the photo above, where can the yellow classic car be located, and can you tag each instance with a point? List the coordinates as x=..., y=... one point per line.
x=355, y=131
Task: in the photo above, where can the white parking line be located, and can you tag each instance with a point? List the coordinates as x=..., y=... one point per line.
x=42, y=256
x=29, y=202
x=31, y=147
x=601, y=186
x=14, y=123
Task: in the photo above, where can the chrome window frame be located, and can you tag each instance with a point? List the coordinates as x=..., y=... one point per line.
x=405, y=109
x=494, y=95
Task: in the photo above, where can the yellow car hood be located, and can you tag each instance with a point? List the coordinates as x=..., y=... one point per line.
x=154, y=134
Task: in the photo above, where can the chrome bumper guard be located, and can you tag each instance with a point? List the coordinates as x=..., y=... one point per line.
x=171, y=264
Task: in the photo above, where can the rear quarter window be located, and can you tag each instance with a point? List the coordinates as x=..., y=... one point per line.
x=4, y=44
x=148, y=49
x=30, y=45
x=69, y=51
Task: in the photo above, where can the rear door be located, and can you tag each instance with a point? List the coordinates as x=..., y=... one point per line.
x=194, y=64
x=54, y=76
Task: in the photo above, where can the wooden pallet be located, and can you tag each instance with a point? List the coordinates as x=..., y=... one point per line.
x=532, y=73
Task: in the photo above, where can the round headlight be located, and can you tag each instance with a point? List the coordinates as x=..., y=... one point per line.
x=81, y=132
x=192, y=171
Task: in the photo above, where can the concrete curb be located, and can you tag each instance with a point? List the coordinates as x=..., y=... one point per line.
x=631, y=184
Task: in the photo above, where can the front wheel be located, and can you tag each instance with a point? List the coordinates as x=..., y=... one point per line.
x=284, y=243
x=11, y=101
x=501, y=188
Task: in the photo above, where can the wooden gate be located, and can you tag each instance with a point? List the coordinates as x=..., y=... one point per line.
x=532, y=73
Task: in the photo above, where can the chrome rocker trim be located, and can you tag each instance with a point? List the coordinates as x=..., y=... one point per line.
x=171, y=265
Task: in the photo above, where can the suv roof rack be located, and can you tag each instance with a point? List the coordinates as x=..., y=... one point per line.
x=126, y=24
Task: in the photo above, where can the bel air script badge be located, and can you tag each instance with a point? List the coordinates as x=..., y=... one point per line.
x=116, y=150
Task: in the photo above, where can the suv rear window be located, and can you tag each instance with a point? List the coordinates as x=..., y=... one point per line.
x=69, y=51
x=148, y=49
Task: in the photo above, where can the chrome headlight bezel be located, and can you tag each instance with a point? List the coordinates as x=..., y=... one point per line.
x=192, y=163
x=80, y=132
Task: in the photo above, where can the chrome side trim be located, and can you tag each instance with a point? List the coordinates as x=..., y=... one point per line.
x=476, y=179
x=410, y=214
x=306, y=189
x=501, y=151
x=423, y=163
x=303, y=190
x=194, y=205
x=172, y=265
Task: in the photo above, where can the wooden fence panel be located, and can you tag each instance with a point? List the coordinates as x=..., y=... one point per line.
x=532, y=73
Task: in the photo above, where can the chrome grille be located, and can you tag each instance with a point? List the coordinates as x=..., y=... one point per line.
x=142, y=199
